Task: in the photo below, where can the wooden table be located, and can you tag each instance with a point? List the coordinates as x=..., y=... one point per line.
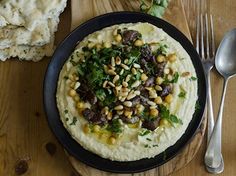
x=16, y=145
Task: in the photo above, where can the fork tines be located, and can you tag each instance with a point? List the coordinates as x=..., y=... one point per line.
x=202, y=33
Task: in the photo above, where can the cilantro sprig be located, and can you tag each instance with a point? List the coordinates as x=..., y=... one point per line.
x=165, y=114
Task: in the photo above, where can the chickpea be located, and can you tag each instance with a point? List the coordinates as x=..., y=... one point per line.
x=164, y=122
x=160, y=58
x=112, y=140
x=118, y=38
x=86, y=128
x=154, y=112
x=72, y=92
x=80, y=105
x=158, y=100
x=96, y=128
x=168, y=98
x=107, y=44
x=138, y=43
x=172, y=57
x=144, y=77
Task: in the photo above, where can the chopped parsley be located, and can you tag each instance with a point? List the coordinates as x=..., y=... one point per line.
x=182, y=94
x=193, y=78
x=74, y=120
x=165, y=114
x=145, y=132
x=174, y=79
x=66, y=111
x=115, y=126
x=148, y=139
x=155, y=145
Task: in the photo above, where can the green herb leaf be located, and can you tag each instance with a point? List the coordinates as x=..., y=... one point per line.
x=193, y=78
x=74, y=120
x=174, y=80
x=148, y=139
x=165, y=114
x=154, y=7
x=115, y=126
x=145, y=132
x=155, y=145
x=146, y=145
x=66, y=111
x=182, y=94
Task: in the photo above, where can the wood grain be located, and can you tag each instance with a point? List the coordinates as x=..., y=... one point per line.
x=24, y=132
x=175, y=15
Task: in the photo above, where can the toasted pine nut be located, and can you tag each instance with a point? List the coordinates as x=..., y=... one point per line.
x=167, y=71
x=127, y=79
x=137, y=92
x=115, y=79
x=159, y=80
x=104, y=85
x=119, y=107
x=136, y=83
x=158, y=88
x=109, y=115
x=120, y=112
x=113, y=62
x=125, y=66
x=111, y=84
x=121, y=72
x=134, y=71
x=128, y=103
x=77, y=84
x=158, y=100
x=184, y=74
x=118, y=60
x=111, y=72
x=136, y=65
x=107, y=44
x=125, y=84
x=151, y=103
x=131, y=95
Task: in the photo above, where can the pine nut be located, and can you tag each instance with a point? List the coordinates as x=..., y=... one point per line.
x=127, y=79
x=113, y=62
x=137, y=92
x=126, y=61
x=134, y=71
x=104, y=85
x=128, y=103
x=118, y=60
x=111, y=84
x=121, y=72
x=136, y=65
x=111, y=72
x=136, y=83
x=119, y=107
x=131, y=95
x=159, y=80
x=107, y=44
x=167, y=71
x=109, y=115
x=120, y=112
x=151, y=103
x=125, y=66
x=115, y=79
x=77, y=84
x=125, y=84
x=158, y=88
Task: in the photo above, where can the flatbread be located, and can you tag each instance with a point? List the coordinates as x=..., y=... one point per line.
x=34, y=53
x=27, y=28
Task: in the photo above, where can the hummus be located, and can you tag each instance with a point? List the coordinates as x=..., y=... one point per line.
x=127, y=92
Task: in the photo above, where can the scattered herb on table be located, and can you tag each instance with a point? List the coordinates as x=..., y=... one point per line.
x=154, y=7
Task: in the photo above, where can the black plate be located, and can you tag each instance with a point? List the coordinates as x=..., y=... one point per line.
x=63, y=52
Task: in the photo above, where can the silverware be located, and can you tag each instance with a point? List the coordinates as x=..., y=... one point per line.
x=225, y=63
x=207, y=56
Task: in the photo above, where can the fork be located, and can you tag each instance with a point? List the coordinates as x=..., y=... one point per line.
x=207, y=56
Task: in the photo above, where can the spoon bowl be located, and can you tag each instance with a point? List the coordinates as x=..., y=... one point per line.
x=225, y=63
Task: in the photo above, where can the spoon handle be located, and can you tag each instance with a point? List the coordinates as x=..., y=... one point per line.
x=213, y=157
x=210, y=116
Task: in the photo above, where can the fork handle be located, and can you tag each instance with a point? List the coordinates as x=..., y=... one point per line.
x=210, y=116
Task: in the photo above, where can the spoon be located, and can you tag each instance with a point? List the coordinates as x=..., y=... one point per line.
x=225, y=63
